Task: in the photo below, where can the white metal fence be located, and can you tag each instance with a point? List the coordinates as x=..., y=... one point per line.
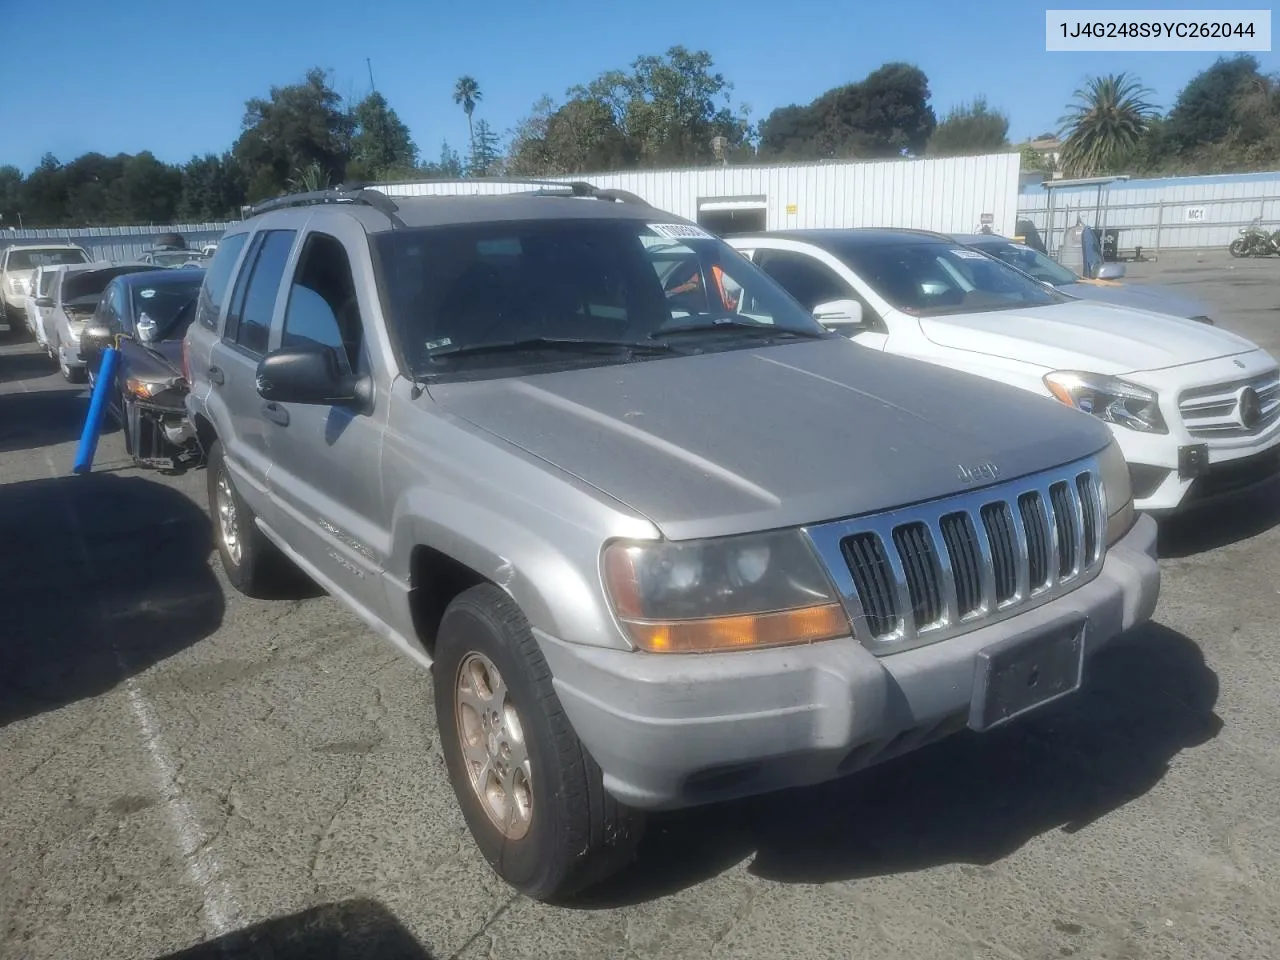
x=1155, y=215
x=950, y=195
x=117, y=243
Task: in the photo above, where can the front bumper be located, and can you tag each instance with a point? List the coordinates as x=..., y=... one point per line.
x=675, y=731
x=1165, y=476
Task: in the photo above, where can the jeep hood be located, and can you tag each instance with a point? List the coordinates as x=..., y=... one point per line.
x=1086, y=335
x=754, y=439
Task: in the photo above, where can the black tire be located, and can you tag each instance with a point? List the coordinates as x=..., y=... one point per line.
x=257, y=571
x=69, y=373
x=578, y=834
x=1236, y=248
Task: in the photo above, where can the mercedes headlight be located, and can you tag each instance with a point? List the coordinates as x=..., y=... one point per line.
x=1109, y=398
x=729, y=593
x=1117, y=493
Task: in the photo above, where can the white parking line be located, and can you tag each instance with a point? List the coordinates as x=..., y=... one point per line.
x=204, y=870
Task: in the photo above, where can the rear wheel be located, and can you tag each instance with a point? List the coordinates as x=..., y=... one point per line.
x=531, y=795
x=251, y=561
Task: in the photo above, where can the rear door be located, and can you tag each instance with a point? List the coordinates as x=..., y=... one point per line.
x=325, y=473
x=233, y=364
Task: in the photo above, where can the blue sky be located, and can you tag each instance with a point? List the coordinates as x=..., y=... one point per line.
x=98, y=73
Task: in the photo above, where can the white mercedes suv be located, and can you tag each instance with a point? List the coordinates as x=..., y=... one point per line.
x=1195, y=409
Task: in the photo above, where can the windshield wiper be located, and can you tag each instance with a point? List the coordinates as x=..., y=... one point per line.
x=714, y=326
x=568, y=344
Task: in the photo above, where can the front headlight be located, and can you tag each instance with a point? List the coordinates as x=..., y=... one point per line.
x=730, y=593
x=1108, y=398
x=1117, y=492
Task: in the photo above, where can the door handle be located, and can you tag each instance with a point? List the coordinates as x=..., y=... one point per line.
x=215, y=374
x=275, y=413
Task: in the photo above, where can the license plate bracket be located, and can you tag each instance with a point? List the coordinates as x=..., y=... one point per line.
x=1019, y=674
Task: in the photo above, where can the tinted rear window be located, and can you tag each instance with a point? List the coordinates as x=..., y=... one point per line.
x=30, y=259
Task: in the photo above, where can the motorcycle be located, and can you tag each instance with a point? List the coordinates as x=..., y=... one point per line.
x=1255, y=241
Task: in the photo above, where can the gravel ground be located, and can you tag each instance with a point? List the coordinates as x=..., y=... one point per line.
x=189, y=773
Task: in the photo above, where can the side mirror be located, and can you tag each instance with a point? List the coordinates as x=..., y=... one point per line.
x=839, y=315
x=94, y=338
x=146, y=329
x=309, y=375
x=1111, y=271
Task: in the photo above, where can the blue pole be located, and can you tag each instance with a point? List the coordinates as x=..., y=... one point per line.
x=102, y=385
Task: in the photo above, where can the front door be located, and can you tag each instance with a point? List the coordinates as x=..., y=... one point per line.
x=326, y=479
x=233, y=366
x=812, y=282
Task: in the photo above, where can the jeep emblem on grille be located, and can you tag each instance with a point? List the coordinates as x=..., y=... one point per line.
x=1249, y=408
x=978, y=471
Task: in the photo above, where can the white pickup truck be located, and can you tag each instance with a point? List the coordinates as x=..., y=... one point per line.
x=1195, y=409
x=18, y=265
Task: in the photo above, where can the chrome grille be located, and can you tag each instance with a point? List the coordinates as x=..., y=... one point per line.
x=931, y=571
x=1214, y=411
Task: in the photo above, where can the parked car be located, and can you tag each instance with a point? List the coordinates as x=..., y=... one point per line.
x=655, y=557
x=17, y=263
x=72, y=302
x=146, y=316
x=1195, y=409
x=39, y=285
x=1107, y=286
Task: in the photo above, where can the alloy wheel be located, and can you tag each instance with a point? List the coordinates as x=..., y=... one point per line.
x=228, y=519
x=491, y=736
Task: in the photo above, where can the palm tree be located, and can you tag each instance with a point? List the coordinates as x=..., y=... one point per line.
x=466, y=93
x=1107, y=120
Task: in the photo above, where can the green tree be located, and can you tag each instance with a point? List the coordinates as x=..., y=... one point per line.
x=381, y=145
x=668, y=109
x=213, y=188
x=527, y=151
x=147, y=191
x=485, y=155
x=44, y=194
x=294, y=128
x=970, y=129
x=11, y=182
x=886, y=114
x=448, y=167
x=93, y=193
x=466, y=94
x=1105, y=124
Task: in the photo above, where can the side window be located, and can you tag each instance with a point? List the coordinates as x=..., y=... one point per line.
x=322, y=302
x=812, y=282
x=250, y=323
x=803, y=277
x=117, y=309
x=216, y=278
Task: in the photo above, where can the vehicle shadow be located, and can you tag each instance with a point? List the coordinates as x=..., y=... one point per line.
x=102, y=575
x=347, y=930
x=1201, y=529
x=44, y=418
x=970, y=799
x=25, y=365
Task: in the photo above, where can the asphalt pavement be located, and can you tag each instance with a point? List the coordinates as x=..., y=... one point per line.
x=187, y=773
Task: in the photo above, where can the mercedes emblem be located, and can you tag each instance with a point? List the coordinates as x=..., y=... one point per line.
x=1249, y=408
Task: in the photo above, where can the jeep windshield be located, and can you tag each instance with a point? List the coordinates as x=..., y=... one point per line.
x=927, y=278
x=529, y=295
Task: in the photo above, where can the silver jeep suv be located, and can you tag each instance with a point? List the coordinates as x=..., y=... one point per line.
x=662, y=538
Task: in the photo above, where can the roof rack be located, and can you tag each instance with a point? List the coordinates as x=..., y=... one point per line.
x=343, y=193
x=551, y=188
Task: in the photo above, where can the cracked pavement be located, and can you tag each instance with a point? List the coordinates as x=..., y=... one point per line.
x=188, y=773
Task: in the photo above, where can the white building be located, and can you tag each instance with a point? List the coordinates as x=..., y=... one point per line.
x=954, y=194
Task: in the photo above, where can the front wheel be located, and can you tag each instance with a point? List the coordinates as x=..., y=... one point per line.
x=1236, y=249
x=70, y=373
x=531, y=795
x=251, y=562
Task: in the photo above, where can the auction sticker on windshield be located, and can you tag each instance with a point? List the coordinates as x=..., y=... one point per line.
x=679, y=231
x=146, y=294
x=969, y=254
